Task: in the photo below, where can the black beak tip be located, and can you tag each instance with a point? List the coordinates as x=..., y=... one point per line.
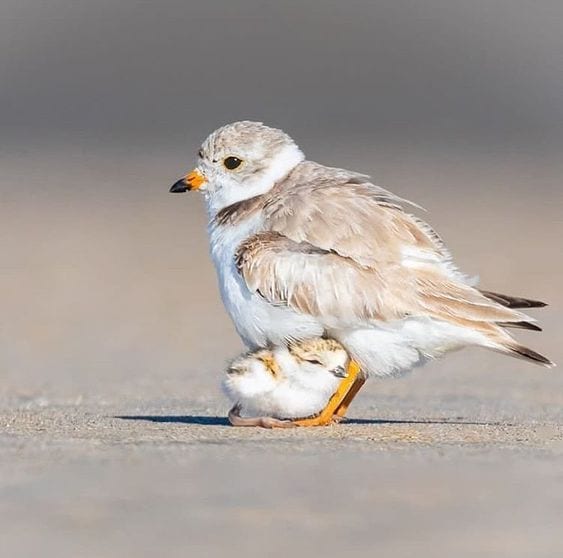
x=179, y=186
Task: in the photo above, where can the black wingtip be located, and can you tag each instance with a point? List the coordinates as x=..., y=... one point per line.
x=513, y=301
x=531, y=304
x=521, y=325
x=529, y=354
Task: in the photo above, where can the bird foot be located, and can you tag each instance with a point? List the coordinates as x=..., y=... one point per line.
x=263, y=422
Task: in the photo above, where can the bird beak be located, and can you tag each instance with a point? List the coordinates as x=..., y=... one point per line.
x=192, y=181
x=340, y=372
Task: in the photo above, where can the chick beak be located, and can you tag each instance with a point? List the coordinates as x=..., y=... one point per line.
x=192, y=181
x=340, y=372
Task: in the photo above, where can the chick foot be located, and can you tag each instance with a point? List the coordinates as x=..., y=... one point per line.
x=263, y=422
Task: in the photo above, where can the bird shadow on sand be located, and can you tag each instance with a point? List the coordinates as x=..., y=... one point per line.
x=183, y=419
x=204, y=420
x=452, y=421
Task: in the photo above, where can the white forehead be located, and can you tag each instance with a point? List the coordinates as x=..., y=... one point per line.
x=246, y=138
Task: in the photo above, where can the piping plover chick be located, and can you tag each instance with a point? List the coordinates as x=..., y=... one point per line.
x=291, y=382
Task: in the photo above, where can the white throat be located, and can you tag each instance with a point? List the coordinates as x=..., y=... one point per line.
x=232, y=192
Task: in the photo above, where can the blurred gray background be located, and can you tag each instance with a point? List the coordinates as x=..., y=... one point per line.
x=108, y=303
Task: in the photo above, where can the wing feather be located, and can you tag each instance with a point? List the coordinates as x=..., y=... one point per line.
x=341, y=292
x=342, y=249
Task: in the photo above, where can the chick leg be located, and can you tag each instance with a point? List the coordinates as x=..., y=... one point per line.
x=264, y=422
x=339, y=402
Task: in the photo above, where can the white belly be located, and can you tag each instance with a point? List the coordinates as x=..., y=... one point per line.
x=394, y=348
x=286, y=402
x=257, y=322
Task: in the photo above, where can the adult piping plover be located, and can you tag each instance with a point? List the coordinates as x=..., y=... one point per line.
x=284, y=383
x=303, y=250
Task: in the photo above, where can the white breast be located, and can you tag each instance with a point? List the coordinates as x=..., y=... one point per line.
x=291, y=401
x=287, y=400
x=256, y=321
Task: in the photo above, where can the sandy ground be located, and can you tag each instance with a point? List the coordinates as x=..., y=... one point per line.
x=113, y=440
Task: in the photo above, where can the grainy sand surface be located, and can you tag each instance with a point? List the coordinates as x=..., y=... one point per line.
x=113, y=440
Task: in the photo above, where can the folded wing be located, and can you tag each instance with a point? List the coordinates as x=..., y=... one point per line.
x=341, y=249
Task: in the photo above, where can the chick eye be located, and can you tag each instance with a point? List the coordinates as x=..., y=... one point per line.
x=232, y=163
x=314, y=361
x=200, y=154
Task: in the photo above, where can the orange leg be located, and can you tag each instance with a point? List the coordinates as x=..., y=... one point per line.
x=339, y=402
x=343, y=407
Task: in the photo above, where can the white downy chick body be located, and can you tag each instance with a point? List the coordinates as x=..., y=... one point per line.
x=290, y=382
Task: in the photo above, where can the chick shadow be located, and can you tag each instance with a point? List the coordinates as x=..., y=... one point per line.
x=179, y=419
x=203, y=420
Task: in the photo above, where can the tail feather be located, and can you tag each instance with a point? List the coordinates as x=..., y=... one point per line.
x=521, y=325
x=519, y=351
x=513, y=301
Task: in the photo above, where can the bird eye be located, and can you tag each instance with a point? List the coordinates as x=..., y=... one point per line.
x=314, y=361
x=200, y=154
x=232, y=163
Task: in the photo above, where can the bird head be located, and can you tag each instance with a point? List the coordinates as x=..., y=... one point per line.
x=240, y=161
x=318, y=358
